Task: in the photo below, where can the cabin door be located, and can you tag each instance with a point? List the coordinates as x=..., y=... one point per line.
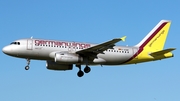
x=29, y=44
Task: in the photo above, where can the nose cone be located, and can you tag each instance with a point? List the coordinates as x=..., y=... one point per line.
x=6, y=49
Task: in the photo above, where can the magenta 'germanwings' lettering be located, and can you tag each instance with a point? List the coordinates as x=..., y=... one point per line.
x=59, y=43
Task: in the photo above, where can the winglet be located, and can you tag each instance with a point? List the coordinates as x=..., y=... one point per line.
x=123, y=38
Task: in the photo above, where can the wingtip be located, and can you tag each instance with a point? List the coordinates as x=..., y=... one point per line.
x=123, y=38
x=173, y=48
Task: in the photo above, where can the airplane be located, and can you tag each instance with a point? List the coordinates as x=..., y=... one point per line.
x=62, y=55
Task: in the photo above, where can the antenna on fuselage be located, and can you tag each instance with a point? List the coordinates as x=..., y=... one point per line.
x=31, y=37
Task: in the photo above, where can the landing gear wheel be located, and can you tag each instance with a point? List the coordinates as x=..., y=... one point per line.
x=27, y=68
x=28, y=62
x=80, y=73
x=87, y=69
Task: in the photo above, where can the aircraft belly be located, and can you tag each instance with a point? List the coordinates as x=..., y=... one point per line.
x=114, y=59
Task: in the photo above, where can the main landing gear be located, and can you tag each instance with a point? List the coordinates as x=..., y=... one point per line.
x=80, y=72
x=87, y=69
x=28, y=62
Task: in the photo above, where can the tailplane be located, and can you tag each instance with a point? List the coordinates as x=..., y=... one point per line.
x=155, y=39
x=163, y=53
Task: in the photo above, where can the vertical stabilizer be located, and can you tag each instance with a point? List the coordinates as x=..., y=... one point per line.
x=155, y=39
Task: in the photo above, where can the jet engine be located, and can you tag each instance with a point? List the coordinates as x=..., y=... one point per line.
x=55, y=66
x=65, y=57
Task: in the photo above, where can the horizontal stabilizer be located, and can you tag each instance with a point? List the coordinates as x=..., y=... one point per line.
x=162, y=52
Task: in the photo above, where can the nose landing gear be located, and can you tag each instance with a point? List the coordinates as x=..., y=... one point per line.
x=28, y=62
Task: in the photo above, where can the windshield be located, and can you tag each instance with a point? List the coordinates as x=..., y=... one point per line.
x=15, y=43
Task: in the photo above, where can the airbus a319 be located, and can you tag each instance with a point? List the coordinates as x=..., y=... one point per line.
x=62, y=55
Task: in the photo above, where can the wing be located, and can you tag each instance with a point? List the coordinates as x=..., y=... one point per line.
x=94, y=50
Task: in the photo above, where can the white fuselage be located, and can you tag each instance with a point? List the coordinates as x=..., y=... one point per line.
x=40, y=49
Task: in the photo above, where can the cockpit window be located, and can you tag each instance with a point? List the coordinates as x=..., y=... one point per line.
x=15, y=43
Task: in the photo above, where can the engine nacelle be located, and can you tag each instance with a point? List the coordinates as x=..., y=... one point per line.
x=64, y=57
x=55, y=66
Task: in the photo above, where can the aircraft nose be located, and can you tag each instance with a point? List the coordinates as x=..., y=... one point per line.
x=6, y=49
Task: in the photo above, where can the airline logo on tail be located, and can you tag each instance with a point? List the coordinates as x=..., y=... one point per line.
x=156, y=38
x=152, y=44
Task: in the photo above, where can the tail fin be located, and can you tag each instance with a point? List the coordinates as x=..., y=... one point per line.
x=155, y=39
